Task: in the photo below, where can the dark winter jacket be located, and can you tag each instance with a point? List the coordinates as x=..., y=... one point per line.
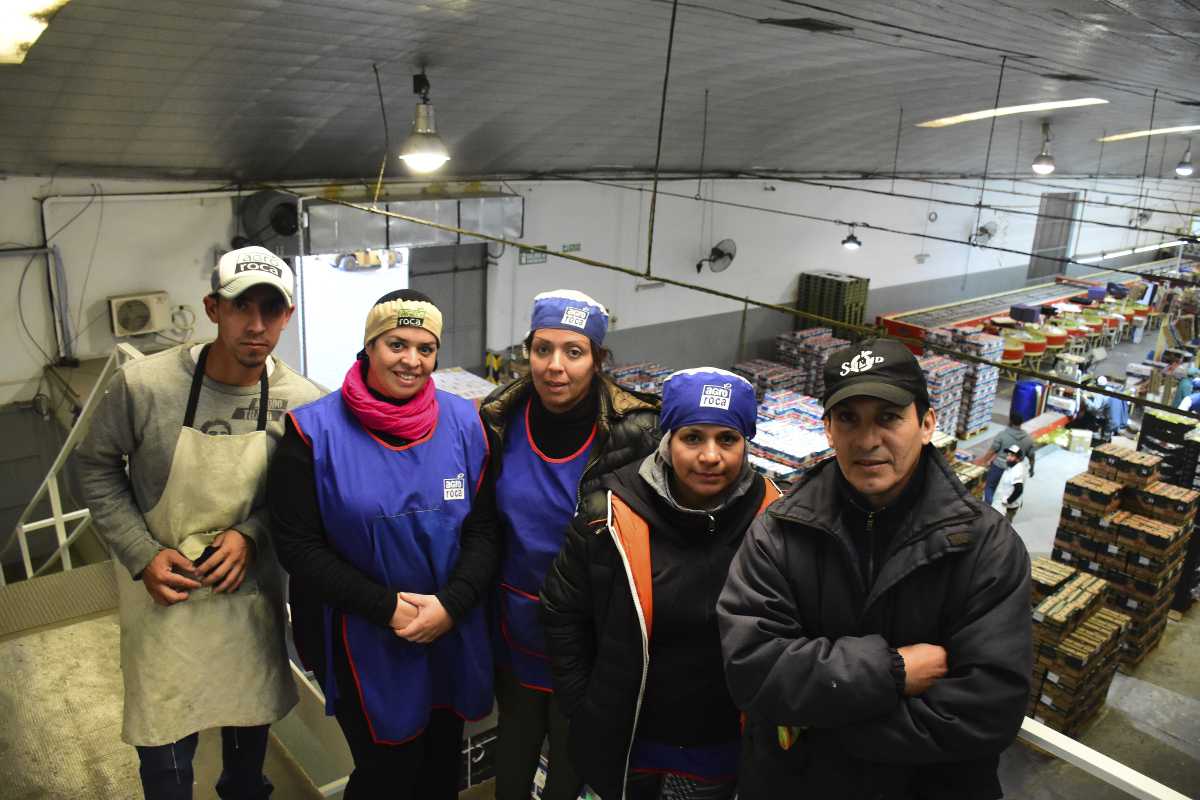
x=626, y=426
x=598, y=613
x=806, y=646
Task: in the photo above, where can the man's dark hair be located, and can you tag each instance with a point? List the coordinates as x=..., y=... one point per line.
x=922, y=405
x=1015, y=418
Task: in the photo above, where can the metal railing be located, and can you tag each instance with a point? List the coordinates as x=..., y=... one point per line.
x=58, y=520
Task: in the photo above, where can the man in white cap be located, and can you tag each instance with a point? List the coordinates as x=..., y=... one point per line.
x=200, y=591
x=1009, y=491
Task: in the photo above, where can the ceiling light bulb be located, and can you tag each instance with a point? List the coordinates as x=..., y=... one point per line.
x=1184, y=168
x=851, y=242
x=424, y=151
x=1043, y=164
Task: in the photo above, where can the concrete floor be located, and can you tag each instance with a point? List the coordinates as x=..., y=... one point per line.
x=60, y=702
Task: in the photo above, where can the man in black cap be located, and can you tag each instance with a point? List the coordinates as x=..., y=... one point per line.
x=875, y=623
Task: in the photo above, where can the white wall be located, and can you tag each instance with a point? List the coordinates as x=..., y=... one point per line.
x=610, y=224
x=129, y=246
x=168, y=244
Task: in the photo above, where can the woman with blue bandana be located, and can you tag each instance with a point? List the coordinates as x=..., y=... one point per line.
x=553, y=435
x=630, y=603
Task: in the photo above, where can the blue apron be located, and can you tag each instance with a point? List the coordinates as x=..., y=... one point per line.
x=535, y=496
x=395, y=513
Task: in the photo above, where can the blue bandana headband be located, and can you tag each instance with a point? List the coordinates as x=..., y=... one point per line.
x=709, y=396
x=568, y=310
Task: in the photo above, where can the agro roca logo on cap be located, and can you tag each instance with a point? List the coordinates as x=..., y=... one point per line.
x=410, y=318
x=454, y=488
x=862, y=362
x=715, y=396
x=576, y=317
x=257, y=266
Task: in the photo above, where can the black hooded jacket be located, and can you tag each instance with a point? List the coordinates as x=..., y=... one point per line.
x=807, y=645
x=609, y=680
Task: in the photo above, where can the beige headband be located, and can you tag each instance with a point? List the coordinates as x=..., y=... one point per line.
x=403, y=314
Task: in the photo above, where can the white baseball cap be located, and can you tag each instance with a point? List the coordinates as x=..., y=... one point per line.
x=240, y=269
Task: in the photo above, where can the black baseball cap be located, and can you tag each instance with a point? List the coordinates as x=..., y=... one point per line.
x=880, y=368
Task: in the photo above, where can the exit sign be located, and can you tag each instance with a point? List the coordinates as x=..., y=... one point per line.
x=526, y=256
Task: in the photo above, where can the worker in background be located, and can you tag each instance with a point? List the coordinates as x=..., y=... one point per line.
x=199, y=587
x=370, y=493
x=875, y=622
x=1013, y=434
x=629, y=603
x=554, y=435
x=1186, y=385
x=1011, y=489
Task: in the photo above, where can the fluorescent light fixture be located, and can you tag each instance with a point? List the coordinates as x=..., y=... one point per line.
x=1147, y=248
x=21, y=23
x=1029, y=108
x=1120, y=137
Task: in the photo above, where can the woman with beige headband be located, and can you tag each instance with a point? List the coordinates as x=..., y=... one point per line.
x=368, y=491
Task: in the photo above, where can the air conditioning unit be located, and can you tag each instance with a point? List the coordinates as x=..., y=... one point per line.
x=138, y=314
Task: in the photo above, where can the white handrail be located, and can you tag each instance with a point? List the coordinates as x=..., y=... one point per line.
x=49, y=487
x=1093, y=762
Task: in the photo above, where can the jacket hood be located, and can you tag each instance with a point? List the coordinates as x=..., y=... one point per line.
x=815, y=500
x=656, y=469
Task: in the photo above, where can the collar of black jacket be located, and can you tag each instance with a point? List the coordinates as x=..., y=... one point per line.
x=667, y=519
x=613, y=402
x=942, y=498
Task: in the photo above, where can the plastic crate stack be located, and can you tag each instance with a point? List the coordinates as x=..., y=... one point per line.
x=770, y=376
x=1120, y=523
x=833, y=295
x=944, y=377
x=1077, y=643
x=645, y=376
x=817, y=350
x=1177, y=440
x=979, y=383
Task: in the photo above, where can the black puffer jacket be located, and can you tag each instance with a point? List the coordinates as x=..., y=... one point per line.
x=599, y=654
x=806, y=645
x=626, y=426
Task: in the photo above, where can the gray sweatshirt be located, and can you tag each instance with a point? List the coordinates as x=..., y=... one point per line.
x=140, y=417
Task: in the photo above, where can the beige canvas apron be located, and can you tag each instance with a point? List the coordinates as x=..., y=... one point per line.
x=213, y=659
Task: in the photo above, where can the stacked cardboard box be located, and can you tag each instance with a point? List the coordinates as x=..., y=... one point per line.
x=770, y=376
x=1132, y=532
x=1077, y=642
x=645, y=376
x=807, y=350
x=944, y=377
x=1177, y=439
x=972, y=476
x=1048, y=577
x=979, y=382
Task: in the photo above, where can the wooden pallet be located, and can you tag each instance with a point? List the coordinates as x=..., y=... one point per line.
x=971, y=434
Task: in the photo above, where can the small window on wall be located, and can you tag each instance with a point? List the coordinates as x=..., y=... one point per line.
x=337, y=291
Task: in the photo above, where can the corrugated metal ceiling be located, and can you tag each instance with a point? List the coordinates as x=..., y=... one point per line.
x=283, y=89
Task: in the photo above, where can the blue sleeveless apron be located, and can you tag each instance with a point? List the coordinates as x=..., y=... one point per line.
x=535, y=496
x=395, y=513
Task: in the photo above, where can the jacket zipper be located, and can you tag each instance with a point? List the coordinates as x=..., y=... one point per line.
x=870, y=579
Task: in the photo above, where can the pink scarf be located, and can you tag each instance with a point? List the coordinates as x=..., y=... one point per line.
x=410, y=421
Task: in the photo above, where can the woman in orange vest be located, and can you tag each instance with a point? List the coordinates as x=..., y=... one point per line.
x=629, y=607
